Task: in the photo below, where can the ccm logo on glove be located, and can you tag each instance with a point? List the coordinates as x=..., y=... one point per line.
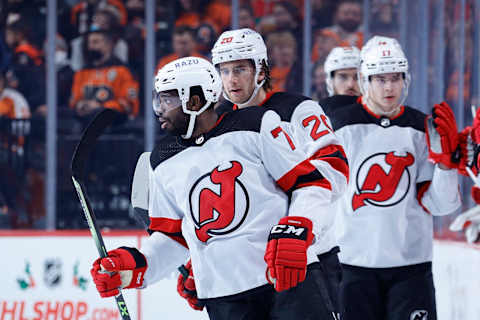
x=295, y=232
x=286, y=253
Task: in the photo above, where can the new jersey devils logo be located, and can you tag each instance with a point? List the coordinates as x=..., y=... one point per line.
x=219, y=201
x=380, y=188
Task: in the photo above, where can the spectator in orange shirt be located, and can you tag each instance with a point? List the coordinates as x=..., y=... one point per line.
x=285, y=72
x=81, y=16
x=27, y=70
x=105, y=82
x=184, y=45
x=103, y=19
x=345, y=31
x=319, y=80
x=246, y=17
x=219, y=14
x=206, y=37
x=188, y=12
x=13, y=104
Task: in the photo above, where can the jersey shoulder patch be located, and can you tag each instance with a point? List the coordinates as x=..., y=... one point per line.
x=356, y=114
x=166, y=147
x=284, y=103
x=223, y=107
x=412, y=117
x=333, y=103
x=348, y=115
x=246, y=119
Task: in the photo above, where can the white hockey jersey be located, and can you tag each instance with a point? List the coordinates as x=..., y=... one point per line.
x=221, y=193
x=385, y=217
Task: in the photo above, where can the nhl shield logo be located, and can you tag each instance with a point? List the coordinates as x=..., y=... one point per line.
x=419, y=315
x=219, y=201
x=53, y=272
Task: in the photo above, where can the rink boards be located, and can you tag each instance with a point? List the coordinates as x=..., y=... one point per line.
x=46, y=275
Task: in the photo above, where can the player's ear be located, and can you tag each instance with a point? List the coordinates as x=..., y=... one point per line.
x=194, y=103
x=261, y=75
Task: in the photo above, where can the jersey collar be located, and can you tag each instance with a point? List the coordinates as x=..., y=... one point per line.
x=360, y=101
x=267, y=97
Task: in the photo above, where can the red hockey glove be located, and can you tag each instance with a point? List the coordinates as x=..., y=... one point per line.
x=469, y=152
x=442, y=136
x=476, y=127
x=286, y=254
x=123, y=268
x=476, y=194
x=186, y=286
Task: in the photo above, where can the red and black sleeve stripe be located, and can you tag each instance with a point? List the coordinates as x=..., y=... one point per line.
x=306, y=174
x=170, y=227
x=422, y=187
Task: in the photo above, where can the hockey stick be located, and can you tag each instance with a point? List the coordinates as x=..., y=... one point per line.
x=80, y=156
x=139, y=196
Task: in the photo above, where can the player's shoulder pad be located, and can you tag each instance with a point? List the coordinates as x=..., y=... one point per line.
x=223, y=106
x=413, y=118
x=348, y=115
x=246, y=119
x=333, y=103
x=356, y=114
x=165, y=148
x=284, y=103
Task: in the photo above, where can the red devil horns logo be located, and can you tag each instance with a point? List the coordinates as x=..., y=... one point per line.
x=388, y=182
x=217, y=211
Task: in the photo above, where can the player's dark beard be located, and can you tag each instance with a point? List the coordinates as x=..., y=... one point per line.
x=179, y=125
x=349, y=25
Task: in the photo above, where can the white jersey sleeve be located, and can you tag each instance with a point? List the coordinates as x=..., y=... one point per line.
x=165, y=249
x=442, y=196
x=313, y=131
x=302, y=166
x=438, y=193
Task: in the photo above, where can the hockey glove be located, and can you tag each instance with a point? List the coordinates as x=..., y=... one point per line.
x=469, y=152
x=442, y=136
x=186, y=286
x=286, y=254
x=123, y=268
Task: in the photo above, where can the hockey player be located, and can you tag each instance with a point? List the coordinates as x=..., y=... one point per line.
x=469, y=221
x=341, y=66
x=384, y=220
x=242, y=192
x=241, y=58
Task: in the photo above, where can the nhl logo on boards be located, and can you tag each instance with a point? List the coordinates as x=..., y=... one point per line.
x=219, y=201
x=53, y=272
x=419, y=315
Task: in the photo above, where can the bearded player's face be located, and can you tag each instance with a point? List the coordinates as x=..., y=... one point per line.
x=170, y=113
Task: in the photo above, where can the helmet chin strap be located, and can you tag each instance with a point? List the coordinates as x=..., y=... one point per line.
x=191, y=126
x=252, y=96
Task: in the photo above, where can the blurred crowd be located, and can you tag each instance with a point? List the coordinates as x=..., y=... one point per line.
x=99, y=58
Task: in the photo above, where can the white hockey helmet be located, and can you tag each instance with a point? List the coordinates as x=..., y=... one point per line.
x=340, y=58
x=382, y=55
x=241, y=44
x=181, y=75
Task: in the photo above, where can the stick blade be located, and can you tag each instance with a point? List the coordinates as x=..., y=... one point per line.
x=87, y=142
